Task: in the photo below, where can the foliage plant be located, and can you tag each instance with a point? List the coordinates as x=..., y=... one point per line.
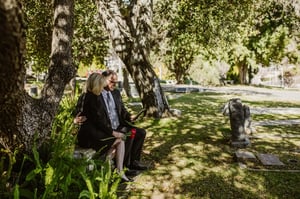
x=54, y=172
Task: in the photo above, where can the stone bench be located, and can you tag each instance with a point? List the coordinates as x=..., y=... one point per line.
x=86, y=154
x=228, y=82
x=83, y=153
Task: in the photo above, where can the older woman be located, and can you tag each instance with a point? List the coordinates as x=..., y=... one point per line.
x=94, y=135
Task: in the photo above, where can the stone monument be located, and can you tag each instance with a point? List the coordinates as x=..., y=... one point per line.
x=239, y=116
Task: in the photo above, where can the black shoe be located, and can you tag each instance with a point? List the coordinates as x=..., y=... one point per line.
x=137, y=166
x=126, y=179
x=131, y=172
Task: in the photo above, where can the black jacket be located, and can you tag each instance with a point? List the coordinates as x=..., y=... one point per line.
x=94, y=133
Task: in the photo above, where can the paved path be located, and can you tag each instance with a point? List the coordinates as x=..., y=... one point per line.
x=279, y=110
x=260, y=94
x=276, y=122
x=245, y=92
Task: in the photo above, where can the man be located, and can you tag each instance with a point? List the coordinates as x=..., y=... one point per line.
x=119, y=119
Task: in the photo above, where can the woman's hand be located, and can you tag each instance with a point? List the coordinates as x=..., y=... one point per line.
x=117, y=134
x=79, y=119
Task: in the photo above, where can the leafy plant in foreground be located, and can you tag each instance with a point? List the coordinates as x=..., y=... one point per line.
x=55, y=173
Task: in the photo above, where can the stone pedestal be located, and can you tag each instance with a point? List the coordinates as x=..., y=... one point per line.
x=241, y=143
x=239, y=116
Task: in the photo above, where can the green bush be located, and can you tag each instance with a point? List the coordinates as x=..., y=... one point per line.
x=52, y=171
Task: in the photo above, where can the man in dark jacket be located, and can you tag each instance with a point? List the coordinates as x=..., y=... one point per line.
x=119, y=119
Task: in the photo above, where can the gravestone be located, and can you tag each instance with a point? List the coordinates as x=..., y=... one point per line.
x=33, y=91
x=269, y=160
x=239, y=116
x=133, y=90
x=245, y=156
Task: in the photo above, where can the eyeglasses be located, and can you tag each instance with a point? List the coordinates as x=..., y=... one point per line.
x=113, y=82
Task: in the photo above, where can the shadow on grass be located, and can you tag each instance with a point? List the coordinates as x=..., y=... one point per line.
x=192, y=158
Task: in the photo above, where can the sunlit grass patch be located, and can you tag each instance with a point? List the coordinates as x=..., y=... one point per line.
x=192, y=158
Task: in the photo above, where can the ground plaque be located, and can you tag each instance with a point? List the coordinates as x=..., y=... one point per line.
x=269, y=160
x=181, y=90
x=244, y=156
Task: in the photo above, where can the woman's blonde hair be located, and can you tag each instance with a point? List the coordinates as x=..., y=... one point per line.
x=95, y=83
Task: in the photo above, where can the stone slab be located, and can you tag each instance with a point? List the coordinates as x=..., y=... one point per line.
x=244, y=156
x=269, y=160
x=84, y=153
x=241, y=144
x=181, y=90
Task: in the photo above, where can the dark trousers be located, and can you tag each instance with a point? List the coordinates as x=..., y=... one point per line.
x=133, y=147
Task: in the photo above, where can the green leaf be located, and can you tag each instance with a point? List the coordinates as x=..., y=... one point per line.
x=49, y=174
x=32, y=174
x=16, y=192
x=84, y=194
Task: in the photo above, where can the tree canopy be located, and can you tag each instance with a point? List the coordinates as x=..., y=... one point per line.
x=251, y=33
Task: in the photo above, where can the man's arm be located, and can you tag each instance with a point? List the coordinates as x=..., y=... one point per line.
x=121, y=107
x=135, y=117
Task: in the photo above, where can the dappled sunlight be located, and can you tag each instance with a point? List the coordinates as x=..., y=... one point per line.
x=191, y=156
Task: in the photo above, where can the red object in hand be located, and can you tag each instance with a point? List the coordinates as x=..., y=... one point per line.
x=133, y=132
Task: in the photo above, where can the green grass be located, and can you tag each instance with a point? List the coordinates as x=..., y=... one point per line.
x=191, y=156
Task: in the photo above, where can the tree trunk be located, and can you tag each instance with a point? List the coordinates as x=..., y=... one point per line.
x=130, y=38
x=126, y=85
x=243, y=71
x=12, y=73
x=21, y=115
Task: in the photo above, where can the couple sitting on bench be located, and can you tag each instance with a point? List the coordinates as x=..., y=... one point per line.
x=104, y=123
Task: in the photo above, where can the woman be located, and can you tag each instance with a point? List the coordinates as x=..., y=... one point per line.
x=93, y=135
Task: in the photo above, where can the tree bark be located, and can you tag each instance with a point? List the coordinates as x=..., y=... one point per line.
x=12, y=72
x=126, y=85
x=243, y=71
x=23, y=117
x=130, y=38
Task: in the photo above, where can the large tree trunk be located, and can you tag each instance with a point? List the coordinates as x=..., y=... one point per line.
x=130, y=38
x=21, y=115
x=126, y=85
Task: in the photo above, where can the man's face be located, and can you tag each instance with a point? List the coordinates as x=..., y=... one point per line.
x=112, y=81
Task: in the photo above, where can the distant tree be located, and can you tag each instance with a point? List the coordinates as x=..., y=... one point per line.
x=90, y=42
x=38, y=20
x=180, y=57
x=188, y=27
x=249, y=32
x=263, y=37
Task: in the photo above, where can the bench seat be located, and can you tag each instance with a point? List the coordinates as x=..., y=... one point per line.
x=86, y=153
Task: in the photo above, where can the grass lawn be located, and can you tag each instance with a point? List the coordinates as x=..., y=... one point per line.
x=191, y=156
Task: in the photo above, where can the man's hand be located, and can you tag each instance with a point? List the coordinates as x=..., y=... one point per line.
x=79, y=119
x=117, y=134
x=133, y=118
